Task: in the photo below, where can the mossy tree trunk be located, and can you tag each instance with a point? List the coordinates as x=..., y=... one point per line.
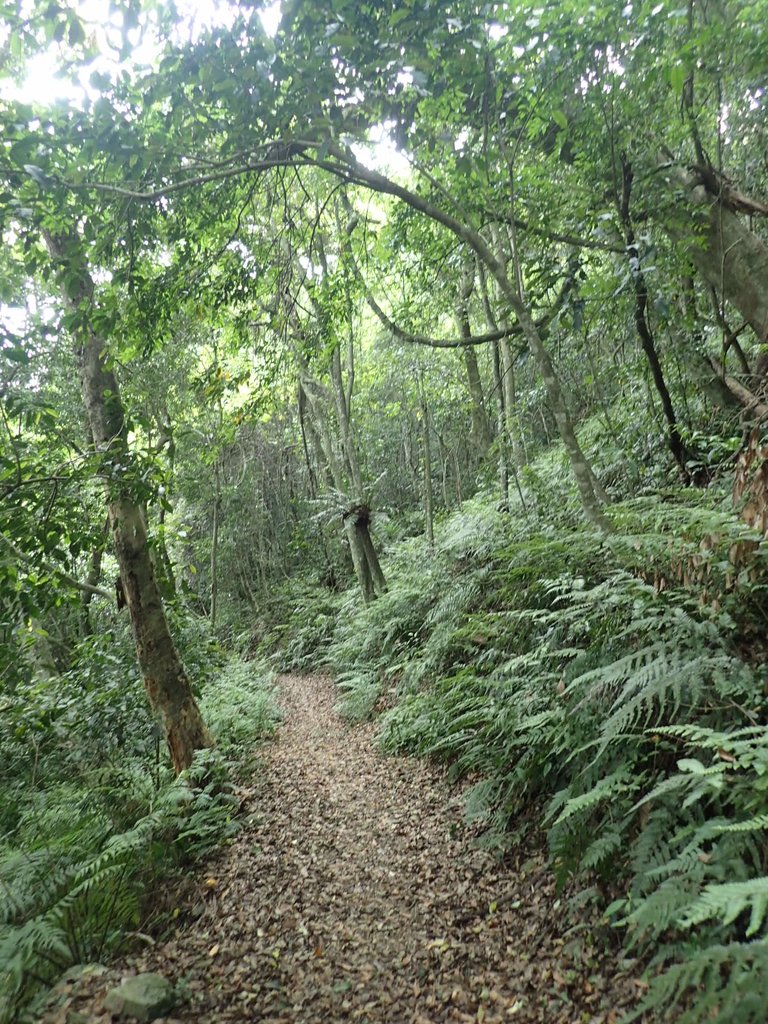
x=732, y=259
x=166, y=681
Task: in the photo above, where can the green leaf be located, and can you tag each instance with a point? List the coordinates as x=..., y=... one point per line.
x=677, y=75
x=398, y=16
x=560, y=119
x=21, y=151
x=38, y=174
x=76, y=34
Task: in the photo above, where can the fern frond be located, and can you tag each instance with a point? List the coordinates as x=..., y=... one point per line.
x=727, y=901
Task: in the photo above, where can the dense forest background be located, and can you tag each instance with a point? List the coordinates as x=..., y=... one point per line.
x=423, y=342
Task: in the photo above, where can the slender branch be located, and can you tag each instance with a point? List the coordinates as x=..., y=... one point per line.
x=85, y=587
x=288, y=153
x=292, y=153
x=407, y=336
x=555, y=236
x=32, y=481
x=422, y=339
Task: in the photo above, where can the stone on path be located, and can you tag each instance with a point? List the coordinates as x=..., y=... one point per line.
x=143, y=997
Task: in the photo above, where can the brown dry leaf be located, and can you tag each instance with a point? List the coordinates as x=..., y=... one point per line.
x=354, y=892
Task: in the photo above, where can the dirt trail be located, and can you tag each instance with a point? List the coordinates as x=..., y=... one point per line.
x=354, y=894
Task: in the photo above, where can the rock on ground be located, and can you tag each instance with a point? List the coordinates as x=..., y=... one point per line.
x=143, y=997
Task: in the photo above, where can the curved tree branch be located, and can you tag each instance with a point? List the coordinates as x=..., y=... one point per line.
x=86, y=588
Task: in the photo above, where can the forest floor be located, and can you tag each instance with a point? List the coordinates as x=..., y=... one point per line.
x=355, y=893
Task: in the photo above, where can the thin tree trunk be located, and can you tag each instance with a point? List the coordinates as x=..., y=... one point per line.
x=162, y=561
x=92, y=581
x=481, y=428
x=510, y=433
x=730, y=257
x=166, y=682
x=674, y=439
x=345, y=427
x=309, y=431
x=457, y=471
x=429, y=524
x=361, y=517
x=359, y=558
x=502, y=428
x=343, y=399
x=364, y=559
x=215, y=543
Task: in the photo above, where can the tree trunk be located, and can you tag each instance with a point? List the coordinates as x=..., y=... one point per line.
x=504, y=377
x=359, y=558
x=162, y=560
x=481, y=428
x=165, y=679
x=429, y=524
x=215, y=543
x=647, y=343
x=364, y=559
x=360, y=517
x=92, y=580
x=501, y=420
x=348, y=446
x=730, y=257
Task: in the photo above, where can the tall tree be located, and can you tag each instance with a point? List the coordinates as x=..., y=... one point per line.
x=166, y=681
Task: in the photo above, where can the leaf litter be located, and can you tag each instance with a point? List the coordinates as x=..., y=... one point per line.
x=354, y=892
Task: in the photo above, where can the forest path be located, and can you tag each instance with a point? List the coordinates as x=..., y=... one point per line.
x=354, y=894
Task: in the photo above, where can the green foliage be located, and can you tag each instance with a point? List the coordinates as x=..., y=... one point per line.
x=552, y=664
x=94, y=824
x=360, y=692
x=240, y=708
x=79, y=888
x=554, y=672
x=306, y=623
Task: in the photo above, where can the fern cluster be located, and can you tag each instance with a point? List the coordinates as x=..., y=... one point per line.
x=597, y=680
x=93, y=819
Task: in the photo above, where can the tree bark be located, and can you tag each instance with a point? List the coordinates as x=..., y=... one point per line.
x=429, y=519
x=92, y=581
x=359, y=517
x=165, y=679
x=364, y=559
x=504, y=370
x=730, y=257
x=215, y=543
x=359, y=558
x=481, y=428
x=647, y=343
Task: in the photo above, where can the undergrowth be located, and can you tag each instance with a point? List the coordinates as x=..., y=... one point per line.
x=613, y=685
x=94, y=823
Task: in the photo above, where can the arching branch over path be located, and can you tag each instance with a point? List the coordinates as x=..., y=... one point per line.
x=340, y=162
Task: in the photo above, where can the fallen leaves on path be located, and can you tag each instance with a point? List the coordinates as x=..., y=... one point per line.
x=353, y=893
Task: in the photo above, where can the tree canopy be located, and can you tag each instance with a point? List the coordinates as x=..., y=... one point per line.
x=284, y=287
